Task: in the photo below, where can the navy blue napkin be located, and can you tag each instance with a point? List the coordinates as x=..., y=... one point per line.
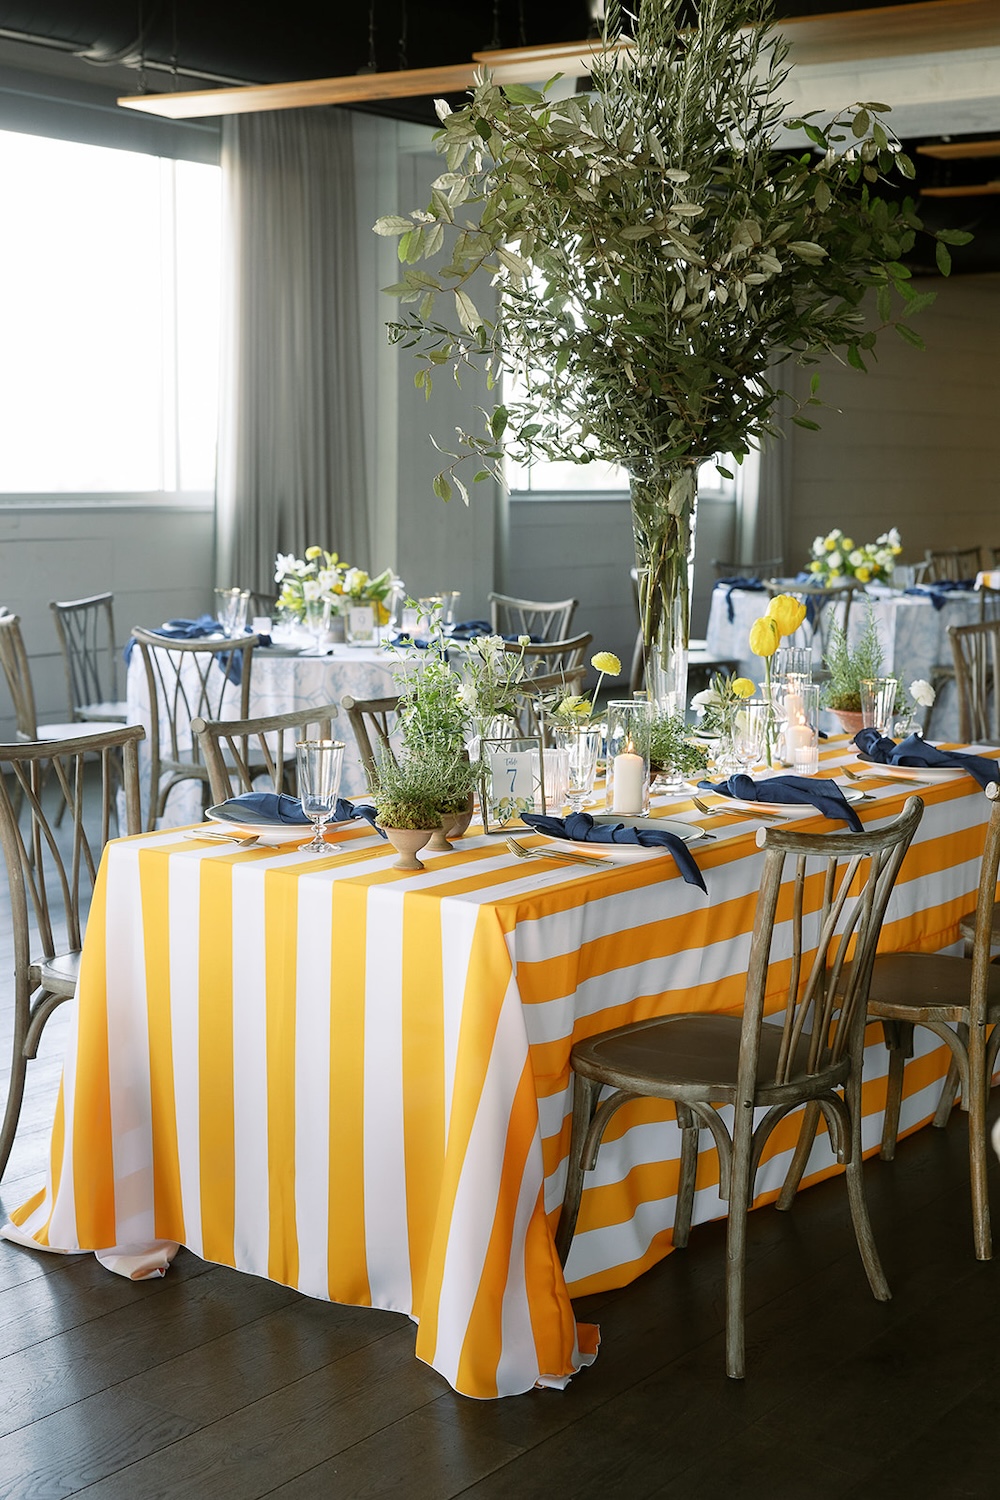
x=825, y=796
x=938, y=591
x=580, y=827
x=279, y=807
x=913, y=751
x=465, y=630
x=230, y=662
x=746, y=585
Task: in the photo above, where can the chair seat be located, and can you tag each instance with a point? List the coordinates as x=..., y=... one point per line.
x=103, y=713
x=58, y=974
x=967, y=926
x=927, y=987
x=687, y=1056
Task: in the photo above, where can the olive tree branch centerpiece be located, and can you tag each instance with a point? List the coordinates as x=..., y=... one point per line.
x=656, y=257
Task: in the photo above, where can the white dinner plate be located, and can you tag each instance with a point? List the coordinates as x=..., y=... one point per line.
x=689, y=832
x=912, y=773
x=786, y=809
x=270, y=833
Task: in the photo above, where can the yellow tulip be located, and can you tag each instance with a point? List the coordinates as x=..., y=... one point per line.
x=787, y=612
x=743, y=687
x=764, y=636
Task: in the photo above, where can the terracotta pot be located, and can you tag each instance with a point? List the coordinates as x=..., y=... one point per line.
x=406, y=842
x=849, y=722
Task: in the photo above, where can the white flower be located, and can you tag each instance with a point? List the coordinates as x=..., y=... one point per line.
x=284, y=564
x=856, y=558
x=524, y=640
x=488, y=645
x=922, y=693
x=442, y=109
x=817, y=546
x=707, y=698
x=311, y=589
x=355, y=580
x=467, y=694
x=835, y=560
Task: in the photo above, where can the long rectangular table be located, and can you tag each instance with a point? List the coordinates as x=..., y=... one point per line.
x=356, y=1081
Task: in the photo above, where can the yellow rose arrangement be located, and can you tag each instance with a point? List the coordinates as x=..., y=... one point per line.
x=834, y=557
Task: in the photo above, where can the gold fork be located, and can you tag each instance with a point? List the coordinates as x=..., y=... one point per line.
x=732, y=812
x=876, y=775
x=523, y=852
x=242, y=840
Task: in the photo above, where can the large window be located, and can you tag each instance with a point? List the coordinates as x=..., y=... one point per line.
x=109, y=319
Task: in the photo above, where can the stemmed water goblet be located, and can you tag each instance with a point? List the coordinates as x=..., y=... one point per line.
x=317, y=620
x=750, y=732
x=583, y=745
x=319, y=764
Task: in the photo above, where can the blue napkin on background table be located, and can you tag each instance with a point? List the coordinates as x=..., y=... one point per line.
x=913, y=751
x=196, y=630
x=939, y=591
x=825, y=796
x=580, y=827
x=466, y=629
x=746, y=585
x=279, y=807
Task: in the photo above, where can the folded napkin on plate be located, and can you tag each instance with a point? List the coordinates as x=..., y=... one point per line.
x=825, y=796
x=580, y=827
x=913, y=751
x=745, y=585
x=279, y=807
x=938, y=591
x=230, y=662
x=465, y=630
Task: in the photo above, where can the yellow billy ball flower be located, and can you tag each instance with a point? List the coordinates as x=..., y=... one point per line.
x=764, y=636
x=787, y=612
x=606, y=661
x=743, y=687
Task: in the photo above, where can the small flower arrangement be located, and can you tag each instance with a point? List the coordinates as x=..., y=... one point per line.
x=835, y=557
x=492, y=678
x=783, y=616
x=577, y=708
x=719, y=703
x=320, y=575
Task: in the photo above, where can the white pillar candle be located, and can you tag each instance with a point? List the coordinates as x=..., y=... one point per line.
x=798, y=737
x=629, y=777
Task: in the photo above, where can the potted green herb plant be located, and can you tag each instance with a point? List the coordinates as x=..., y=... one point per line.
x=847, y=667
x=407, y=797
x=657, y=256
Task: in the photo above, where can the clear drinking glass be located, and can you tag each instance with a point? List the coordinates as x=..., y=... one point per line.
x=556, y=761
x=796, y=659
x=750, y=732
x=319, y=764
x=231, y=608
x=878, y=702
x=583, y=746
x=317, y=620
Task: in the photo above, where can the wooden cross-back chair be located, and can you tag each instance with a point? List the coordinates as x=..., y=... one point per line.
x=763, y=1066
x=17, y=670
x=976, y=656
x=958, y=999
x=238, y=752
x=543, y=658
x=373, y=723
x=51, y=871
x=952, y=563
x=186, y=680
x=824, y=604
x=547, y=621
x=86, y=632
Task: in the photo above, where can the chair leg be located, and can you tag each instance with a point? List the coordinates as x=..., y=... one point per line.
x=585, y=1096
x=736, y=1255
x=899, y=1040
x=978, y=1089
x=949, y=1089
x=690, y=1132
x=803, y=1146
x=15, y=1095
x=855, y=1174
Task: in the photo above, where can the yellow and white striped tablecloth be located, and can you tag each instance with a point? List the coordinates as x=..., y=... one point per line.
x=355, y=1081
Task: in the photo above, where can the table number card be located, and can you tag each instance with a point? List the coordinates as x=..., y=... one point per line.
x=361, y=626
x=513, y=782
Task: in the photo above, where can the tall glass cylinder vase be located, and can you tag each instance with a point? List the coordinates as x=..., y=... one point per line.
x=663, y=519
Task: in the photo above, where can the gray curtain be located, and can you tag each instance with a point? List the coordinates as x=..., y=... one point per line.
x=291, y=463
x=762, y=502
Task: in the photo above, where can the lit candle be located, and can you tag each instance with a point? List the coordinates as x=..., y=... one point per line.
x=629, y=782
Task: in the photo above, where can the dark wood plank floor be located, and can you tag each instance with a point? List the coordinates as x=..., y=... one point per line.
x=216, y=1385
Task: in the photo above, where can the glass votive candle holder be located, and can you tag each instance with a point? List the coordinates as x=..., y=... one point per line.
x=793, y=659
x=878, y=702
x=627, y=772
x=801, y=716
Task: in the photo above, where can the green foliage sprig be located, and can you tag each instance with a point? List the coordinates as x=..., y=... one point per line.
x=848, y=666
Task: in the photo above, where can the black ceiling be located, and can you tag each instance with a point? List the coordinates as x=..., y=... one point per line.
x=260, y=42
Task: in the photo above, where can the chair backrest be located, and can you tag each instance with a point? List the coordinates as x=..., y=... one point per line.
x=976, y=653
x=237, y=752
x=14, y=661
x=261, y=604
x=46, y=860
x=185, y=680
x=822, y=603
x=952, y=562
x=372, y=718
x=840, y=889
x=543, y=658
x=546, y=621
x=764, y=567
x=535, y=696
x=86, y=632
